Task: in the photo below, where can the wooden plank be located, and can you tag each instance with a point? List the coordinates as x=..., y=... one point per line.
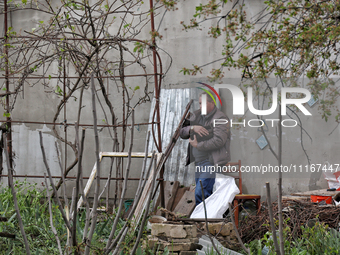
x=296, y=198
x=187, y=204
x=143, y=199
x=319, y=192
x=94, y=169
x=89, y=183
x=170, y=190
x=179, y=195
x=125, y=154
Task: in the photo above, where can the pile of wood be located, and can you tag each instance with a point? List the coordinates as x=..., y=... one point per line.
x=299, y=213
x=177, y=199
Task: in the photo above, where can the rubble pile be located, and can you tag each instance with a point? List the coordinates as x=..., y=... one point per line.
x=299, y=214
x=178, y=238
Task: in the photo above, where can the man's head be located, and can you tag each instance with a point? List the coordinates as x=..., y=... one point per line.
x=210, y=102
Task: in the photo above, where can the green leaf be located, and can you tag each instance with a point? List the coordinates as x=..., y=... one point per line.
x=7, y=114
x=139, y=251
x=13, y=216
x=41, y=21
x=166, y=251
x=136, y=88
x=59, y=91
x=49, y=77
x=24, y=1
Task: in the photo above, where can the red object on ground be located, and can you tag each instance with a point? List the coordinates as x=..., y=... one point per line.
x=318, y=199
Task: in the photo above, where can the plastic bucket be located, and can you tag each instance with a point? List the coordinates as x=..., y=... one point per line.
x=127, y=204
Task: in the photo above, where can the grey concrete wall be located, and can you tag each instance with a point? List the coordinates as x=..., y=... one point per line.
x=321, y=144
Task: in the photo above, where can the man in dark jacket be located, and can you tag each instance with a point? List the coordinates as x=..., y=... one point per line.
x=209, y=145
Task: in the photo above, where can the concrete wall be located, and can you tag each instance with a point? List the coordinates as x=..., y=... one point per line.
x=178, y=49
x=320, y=143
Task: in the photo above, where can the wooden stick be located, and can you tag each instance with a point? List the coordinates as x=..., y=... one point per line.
x=14, y=194
x=69, y=217
x=83, y=196
x=141, y=229
x=52, y=183
x=235, y=228
x=62, y=177
x=97, y=187
x=271, y=218
x=143, y=167
x=279, y=202
x=51, y=218
x=72, y=202
x=114, y=242
x=115, y=223
x=72, y=214
x=74, y=207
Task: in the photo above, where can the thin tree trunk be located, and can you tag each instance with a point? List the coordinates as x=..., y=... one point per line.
x=69, y=217
x=271, y=218
x=97, y=188
x=51, y=218
x=143, y=168
x=80, y=156
x=129, y=218
x=52, y=183
x=235, y=228
x=14, y=194
x=282, y=250
x=124, y=185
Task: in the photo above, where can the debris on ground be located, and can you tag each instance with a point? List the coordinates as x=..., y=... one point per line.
x=299, y=212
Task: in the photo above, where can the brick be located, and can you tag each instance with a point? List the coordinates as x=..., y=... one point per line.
x=185, y=245
x=171, y=245
x=173, y=230
x=177, y=231
x=185, y=240
x=191, y=231
x=224, y=229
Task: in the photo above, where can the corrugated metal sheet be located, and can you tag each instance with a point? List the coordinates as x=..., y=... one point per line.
x=172, y=106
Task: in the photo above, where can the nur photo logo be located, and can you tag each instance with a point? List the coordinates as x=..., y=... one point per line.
x=238, y=104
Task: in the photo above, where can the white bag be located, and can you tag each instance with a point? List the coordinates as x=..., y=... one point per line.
x=218, y=202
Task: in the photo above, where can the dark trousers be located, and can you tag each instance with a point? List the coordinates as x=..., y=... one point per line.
x=208, y=181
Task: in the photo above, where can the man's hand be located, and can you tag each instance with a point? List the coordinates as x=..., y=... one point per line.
x=193, y=142
x=200, y=130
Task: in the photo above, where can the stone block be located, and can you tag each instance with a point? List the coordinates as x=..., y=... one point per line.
x=188, y=253
x=185, y=240
x=174, y=230
x=231, y=243
x=221, y=228
x=191, y=231
x=172, y=246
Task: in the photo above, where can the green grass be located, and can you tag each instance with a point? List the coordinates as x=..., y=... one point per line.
x=33, y=206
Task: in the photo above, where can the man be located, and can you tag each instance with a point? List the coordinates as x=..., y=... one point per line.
x=208, y=145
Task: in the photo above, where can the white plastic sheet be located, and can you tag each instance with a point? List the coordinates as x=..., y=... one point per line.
x=333, y=179
x=218, y=202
